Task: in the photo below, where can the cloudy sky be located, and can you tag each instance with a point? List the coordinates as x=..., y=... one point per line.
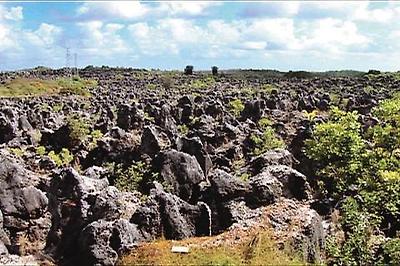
x=169, y=35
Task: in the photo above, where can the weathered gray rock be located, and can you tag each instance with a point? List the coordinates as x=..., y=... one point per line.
x=153, y=140
x=179, y=219
x=94, y=244
x=148, y=219
x=194, y=146
x=266, y=189
x=296, y=224
x=22, y=205
x=180, y=171
x=295, y=184
x=225, y=187
x=100, y=242
x=273, y=157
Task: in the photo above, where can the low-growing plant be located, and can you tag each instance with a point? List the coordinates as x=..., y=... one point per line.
x=63, y=158
x=58, y=107
x=236, y=107
x=41, y=150
x=269, y=89
x=264, y=122
x=79, y=129
x=148, y=117
x=19, y=152
x=202, y=83
x=151, y=86
x=95, y=135
x=259, y=249
x=244, y=177
x=266, y=141
x=130, y=178
x=183, y=129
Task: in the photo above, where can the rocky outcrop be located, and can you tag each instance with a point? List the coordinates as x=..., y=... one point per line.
x=181, y=173
x=300, y=226
x=86, y=219
x=23, y=206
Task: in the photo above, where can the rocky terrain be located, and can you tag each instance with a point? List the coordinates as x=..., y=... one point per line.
x=150, y=154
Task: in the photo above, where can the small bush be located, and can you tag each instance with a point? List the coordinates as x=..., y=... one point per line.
x=57, y=107
x=236, y=107
x=41, y=151
x=266, y=142
x=264, y=123
x=202, y=83
x=63, y=158
x=130, y=178
x=19, y=152
x=79, y=129
x=183, y=129
x=95, y=135
x=188, y=70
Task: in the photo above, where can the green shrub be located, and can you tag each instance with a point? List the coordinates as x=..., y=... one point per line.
x=266, y=142
x=236, y=107
x=95, y=135
x=391, y=251
x=19, y=152
x=152, y=87
x=269, y=89
x=364, y=179
x=57, y=107
x=63, y=158
x=183, y=129
x=264, y=123
x=132, y=177
x=202, y=83
x=41, y=150
x=336, y=147
x=79, y=129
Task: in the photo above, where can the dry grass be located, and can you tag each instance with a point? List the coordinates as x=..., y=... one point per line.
x=23, y=87
x=256, y=249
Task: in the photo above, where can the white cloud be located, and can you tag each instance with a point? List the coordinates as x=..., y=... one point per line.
x=333, y=35
x=101, y=39
x=253, y=45
x=386, y=14
x=113, y=10
x=46, y=35
x=271, y=9
x=185, y=8
x=135, y=10
x=276, y=32
x=13, y=13
x=6, y=41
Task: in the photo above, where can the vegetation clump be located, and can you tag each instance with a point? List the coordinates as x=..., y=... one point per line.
x=236, y=107
x=79, y=129
x=268, y=140
x=20, y=87
x=63, y=158
x=360, y=169
x=130, y=178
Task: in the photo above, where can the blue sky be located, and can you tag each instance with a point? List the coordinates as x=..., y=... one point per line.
x=169, y=35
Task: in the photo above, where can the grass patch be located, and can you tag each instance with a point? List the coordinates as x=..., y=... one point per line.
x=21, y=87
x=258, y=249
